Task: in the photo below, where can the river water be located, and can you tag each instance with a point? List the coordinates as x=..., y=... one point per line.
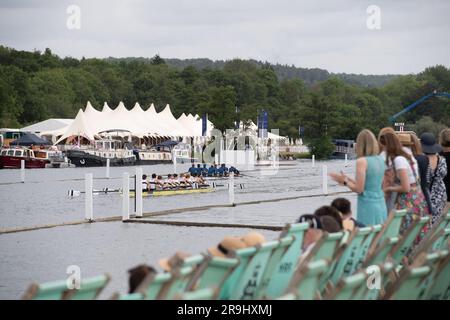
x=114, y=247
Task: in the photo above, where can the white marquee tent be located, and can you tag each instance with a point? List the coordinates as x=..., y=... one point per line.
x=91, y=122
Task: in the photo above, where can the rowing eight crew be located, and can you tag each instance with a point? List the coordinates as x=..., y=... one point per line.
x=172, y=182
x=213, y=170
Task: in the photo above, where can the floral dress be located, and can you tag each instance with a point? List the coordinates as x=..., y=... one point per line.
x=436, y=186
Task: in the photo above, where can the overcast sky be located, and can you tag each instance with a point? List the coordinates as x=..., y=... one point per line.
x=328, y=34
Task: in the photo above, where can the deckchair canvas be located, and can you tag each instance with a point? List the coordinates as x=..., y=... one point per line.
x=212, y=272
x=285, y=267
x=305, y=281
x=244, y=256
x=249, y=281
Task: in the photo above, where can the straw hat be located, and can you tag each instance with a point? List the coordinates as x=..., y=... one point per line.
x=253, y=238
x=405, y=139
x=174, y=261
x=227, y=245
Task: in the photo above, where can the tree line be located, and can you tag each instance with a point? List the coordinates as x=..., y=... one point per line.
x=37, y=85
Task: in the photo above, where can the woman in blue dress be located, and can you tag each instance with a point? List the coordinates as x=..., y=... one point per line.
x=370, y=167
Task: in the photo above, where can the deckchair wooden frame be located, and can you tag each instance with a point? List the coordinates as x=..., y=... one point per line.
x=390, y=229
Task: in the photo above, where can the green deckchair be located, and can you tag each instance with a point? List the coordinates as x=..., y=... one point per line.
x=152, y=284
x=432, y=260
x=326, y=248
x=305, y=282
x=381, y=253
x=273, y=262
x=46, y=291
x=182, y=273
x=288, y=296
x=89, y=289
x=400, y=250
x=128, y=296
x=250, y=279
x=243, y=255
x=432, y=241
x=440, y=288
x=201, y=294
x=365, y=246
x=281, y=265
x=212, y=273
x=347, y=261
x=407, y=286
x=385, y=270
x=349, y=288
x=390, y=229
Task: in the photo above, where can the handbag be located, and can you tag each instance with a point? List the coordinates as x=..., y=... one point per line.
x=390, y=179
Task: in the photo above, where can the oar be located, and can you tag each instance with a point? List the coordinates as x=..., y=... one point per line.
x=240, y=185
x=76, y=193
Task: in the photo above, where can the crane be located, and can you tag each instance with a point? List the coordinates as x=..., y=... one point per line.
x=416, y=103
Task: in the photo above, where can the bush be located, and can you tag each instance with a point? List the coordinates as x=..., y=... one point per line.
x=295, y=155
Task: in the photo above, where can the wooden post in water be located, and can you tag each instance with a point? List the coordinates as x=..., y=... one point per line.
x=138, y=192
x=325, y=179
x=88, y=203
x=231, y=188
x=126, y=196
x=107, y=167
x=22, y=171
x=313, y=160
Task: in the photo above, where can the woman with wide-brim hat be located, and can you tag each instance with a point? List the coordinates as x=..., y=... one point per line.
x=444, y=140
x=436, y=174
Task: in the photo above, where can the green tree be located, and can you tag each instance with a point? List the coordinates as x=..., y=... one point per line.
x=221, y=107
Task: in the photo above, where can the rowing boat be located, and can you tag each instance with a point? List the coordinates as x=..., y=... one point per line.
x=172, y=192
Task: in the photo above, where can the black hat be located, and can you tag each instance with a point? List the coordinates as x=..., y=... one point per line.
x=429, y=144
x=314, y=221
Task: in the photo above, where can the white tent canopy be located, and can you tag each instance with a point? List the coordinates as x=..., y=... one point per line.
x=138, y=122
x=79, y=127
x=48, y=125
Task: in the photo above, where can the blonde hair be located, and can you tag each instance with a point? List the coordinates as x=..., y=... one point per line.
x=366, y=144
x=444, y=138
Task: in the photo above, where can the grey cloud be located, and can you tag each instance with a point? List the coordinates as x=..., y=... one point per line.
x=327, y=34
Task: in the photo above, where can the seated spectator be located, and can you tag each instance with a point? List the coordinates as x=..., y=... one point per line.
x=174, y=261
x=229, y=244
x=344, y=207
x=332, y=212
x=137, y=275
x=252, y=239
x=317, y=226
x=226, y=246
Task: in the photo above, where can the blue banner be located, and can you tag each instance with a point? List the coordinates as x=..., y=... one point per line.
x=204, y=123
x=263, y=123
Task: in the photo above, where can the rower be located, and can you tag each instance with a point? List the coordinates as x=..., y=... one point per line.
x=187, y=180
x=159, y=183
x=211, y=171
x=152, y=183
x=199, y=180
x=168, y=183
x=222, y=171
x=204, y=170
x=192, y=169
x=198, y=171
x=233, y=169
x=145, y=185
x=176, y=180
